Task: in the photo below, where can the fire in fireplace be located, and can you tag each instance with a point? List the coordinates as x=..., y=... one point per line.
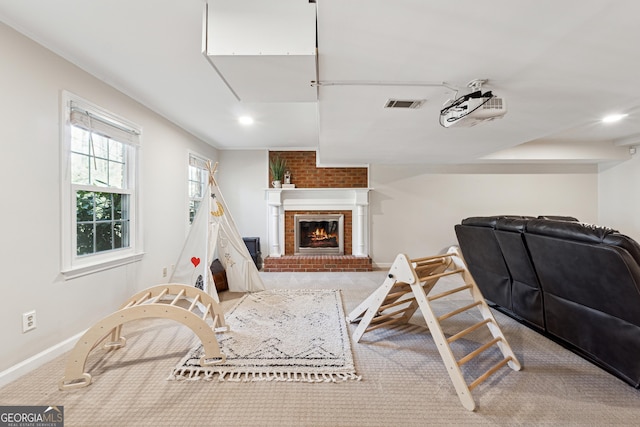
x=319, y=234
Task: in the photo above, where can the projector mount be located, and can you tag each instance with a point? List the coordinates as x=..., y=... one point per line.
x=476, y=84
x=455, y=111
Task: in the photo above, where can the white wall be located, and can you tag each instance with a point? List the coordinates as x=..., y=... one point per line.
x=243, y=176
x=414, y=208
x=31, y=81
x=619, y=197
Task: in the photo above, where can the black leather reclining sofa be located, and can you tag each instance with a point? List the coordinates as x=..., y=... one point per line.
x=576, y=283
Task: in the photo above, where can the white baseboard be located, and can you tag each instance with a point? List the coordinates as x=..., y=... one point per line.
x=13, y=373
x=382, y=265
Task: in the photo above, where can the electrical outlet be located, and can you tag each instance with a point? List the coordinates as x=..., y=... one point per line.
x=28, y=321
x=164, y=271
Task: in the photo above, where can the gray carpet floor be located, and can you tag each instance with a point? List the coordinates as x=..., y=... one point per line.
x=404, y=382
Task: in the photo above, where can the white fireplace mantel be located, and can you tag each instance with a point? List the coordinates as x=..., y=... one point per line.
x=301, y=199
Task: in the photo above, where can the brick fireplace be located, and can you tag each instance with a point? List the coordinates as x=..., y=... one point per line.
x=284, y=204
x=336, y=191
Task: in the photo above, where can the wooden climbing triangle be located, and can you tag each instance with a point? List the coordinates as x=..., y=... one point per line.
x=407, y=288
x=182, y=303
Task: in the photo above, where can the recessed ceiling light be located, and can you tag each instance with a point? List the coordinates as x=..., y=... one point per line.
x=613, y=118
x=245, y=120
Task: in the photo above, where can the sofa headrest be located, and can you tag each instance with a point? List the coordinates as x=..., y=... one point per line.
x=578, y=231
x=558, y=218
x=512, y=224
x=481, y=221
x=487, y=221
x=624, y=242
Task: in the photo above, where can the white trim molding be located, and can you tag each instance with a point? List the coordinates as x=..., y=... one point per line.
x=13, y=373
x=356, y=200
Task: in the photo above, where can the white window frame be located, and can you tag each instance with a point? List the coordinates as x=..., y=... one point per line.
x=198, y=158
x=72, y=264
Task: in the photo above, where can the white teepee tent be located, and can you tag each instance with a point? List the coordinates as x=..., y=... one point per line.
x=213, y=233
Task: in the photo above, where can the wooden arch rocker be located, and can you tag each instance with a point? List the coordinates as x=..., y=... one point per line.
x=152, y=302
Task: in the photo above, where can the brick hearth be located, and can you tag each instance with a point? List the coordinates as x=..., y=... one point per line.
x=316, y=263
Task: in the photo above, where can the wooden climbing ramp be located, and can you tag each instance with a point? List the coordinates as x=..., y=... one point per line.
x=182, y=303
x=408, y=287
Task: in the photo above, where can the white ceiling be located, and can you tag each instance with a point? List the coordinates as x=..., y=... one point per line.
x=560, y=66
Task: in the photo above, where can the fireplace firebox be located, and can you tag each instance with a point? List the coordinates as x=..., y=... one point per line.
x=319, y=234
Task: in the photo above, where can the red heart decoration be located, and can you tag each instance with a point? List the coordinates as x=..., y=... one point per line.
x=195, y=261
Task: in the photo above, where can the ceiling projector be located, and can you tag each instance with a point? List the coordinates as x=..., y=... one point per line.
x=473, y=108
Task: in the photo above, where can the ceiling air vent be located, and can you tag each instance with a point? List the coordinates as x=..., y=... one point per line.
x=404, y=103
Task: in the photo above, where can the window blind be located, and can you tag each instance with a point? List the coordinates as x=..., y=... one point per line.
x=197, y=162
x=108, y=127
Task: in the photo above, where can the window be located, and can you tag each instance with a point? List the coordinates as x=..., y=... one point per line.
x=198, y=175
x=99, y=189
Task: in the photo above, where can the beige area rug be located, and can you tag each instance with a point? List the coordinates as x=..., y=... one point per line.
x=280, y=335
